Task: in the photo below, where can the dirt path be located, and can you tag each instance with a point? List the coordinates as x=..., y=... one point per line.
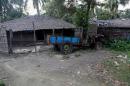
x=48, y=69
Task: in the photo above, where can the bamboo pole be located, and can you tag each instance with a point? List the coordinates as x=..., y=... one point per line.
x=34, y=37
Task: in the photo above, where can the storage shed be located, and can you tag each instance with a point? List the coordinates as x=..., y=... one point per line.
x=31, y=30
x=115, y=28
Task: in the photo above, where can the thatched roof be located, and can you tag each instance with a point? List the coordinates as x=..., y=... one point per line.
x=40, y=22
x=119, y=23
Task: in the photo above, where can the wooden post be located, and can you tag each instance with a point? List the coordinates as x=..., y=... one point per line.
x=34, y=36
x=21, y=39
x=10, y=41
x=81, y=35
x=62, y=32
x=63, y=35
x=53, y=32
x=44, y=37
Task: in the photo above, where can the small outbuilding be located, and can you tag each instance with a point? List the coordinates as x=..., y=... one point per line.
x=32, y=30
x=114, y=29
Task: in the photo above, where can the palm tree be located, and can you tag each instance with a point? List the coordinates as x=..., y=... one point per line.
x=113, y=5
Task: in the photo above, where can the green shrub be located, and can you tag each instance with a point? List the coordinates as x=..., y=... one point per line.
x=2, y=83
x=119, y=45
x=128, y=53
x=120, y=72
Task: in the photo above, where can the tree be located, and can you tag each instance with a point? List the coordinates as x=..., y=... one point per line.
x=5, y=7
x=103, y=14
x=36, y=4
x=124, y=13
x=127, y=13
x=7, y=10
x=55, y=8
x=60, y=9
x=20, y=3
x=90, y=4
x=80, y=18
x=113, y=5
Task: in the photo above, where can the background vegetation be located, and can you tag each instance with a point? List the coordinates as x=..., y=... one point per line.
x=75, y=11
x=119, y=45
x=2, y=83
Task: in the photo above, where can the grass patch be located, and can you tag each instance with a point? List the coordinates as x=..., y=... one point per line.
x=119, y=68
x=2, y=83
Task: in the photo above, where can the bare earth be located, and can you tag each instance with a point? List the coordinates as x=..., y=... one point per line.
x=50, y=69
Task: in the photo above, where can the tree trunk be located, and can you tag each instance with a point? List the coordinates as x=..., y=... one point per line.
x=38, y=10
x=87, y=23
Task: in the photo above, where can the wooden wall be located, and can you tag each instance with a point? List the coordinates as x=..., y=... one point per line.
x=22, y=38
x=115, y=33
x=3, y=40
x=26, y=38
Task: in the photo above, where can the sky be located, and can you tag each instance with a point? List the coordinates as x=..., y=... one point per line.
x=124, y=7
x=30, y=8
x=33, y=11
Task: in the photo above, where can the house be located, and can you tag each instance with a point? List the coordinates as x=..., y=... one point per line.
x=114, y=29
x=31, y=30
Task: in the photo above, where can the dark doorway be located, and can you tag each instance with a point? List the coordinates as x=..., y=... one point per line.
x=40, y=35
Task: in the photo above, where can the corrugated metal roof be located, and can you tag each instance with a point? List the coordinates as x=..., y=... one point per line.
x=119, y=23
x=40, y=22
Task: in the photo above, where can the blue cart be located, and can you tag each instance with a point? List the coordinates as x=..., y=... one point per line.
x=65, y=44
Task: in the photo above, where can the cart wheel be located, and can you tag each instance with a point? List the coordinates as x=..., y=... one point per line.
x=67, y=49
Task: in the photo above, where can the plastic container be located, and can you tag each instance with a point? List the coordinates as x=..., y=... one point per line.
x=52, y=39
x=75, y=40
x=67, y=39
x=59, y=39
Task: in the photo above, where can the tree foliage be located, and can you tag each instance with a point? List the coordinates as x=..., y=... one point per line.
x=4, y=8
x=125, y=13
x=112, y=6
x=56, y=8
x=7, y=11
x=67, y=10
x=103, y=14
x=80, y=18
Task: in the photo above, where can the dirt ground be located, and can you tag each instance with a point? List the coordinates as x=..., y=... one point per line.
x=49, y=68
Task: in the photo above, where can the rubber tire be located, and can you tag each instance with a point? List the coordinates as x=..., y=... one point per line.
x=66, y=49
